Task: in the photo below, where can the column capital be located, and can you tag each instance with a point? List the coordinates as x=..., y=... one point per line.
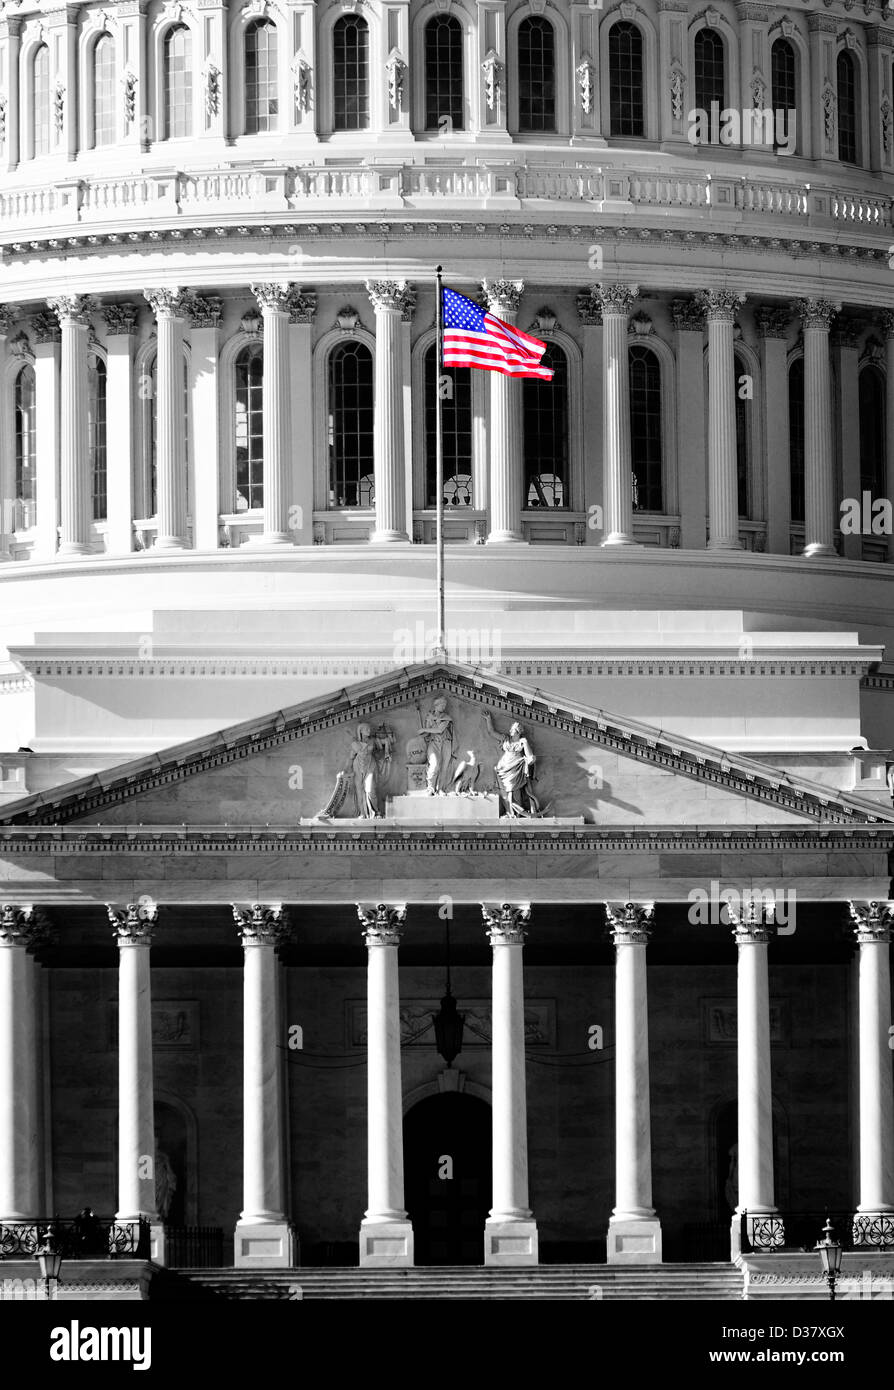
x=589, y=307
x=72, y=308
x=503, y=296
x=16, y=924
x=507, y=923
x=872, y=922
x=121, y=319
x=273, y=295
x=166, y=303
x=751, y=926
x=885, y=321
x=204, y=311
x=688, y=315
x=773, y=320
x=393, y=295
x=302, y=306
x=630, y=924
x=45, y=327
x=134, y=923
x=720, y=306
x=617, y=298
x=817, y=313
x=261, y=924
x=383, y=924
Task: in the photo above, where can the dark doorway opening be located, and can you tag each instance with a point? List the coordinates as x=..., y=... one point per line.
x=447, y=1177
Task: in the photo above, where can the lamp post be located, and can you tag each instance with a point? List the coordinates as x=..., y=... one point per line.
x=830, y=1254
x=49, y=1261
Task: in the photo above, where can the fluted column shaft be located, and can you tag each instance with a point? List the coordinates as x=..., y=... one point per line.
x=136, y=1118
x=753, y=1052
x=75, y=476
x=816, y=316
x=633, y=1140
x=887, y=322
x=170, y=429
x=263, y=1188
x=616, y=301
x=391, y=300
x=873, y=932
x=274, y=302
x=720, y=308
x=506, y=483
x=19, y=1196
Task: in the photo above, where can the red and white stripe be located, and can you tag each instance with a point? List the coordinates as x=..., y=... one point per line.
x=501, y=348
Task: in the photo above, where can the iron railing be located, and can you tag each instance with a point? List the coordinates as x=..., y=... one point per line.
x=801, y=1230
x=194, y=1247
x=92, y=1238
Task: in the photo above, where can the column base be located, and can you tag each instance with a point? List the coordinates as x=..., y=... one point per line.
x=157, y=1244
x=506, y=538
x=724, y=545
x=386, y=1244
x=509, y=1241
x=70, y=548
x=169, y=543
x=633, y=1240
x=816, y=551
x=271, y=540
x=388, y=537
x=264, y=1245
x=620, y=538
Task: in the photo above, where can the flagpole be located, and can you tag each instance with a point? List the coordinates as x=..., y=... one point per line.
x=439, y=469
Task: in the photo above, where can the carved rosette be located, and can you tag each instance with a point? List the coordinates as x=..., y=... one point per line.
x=121, y=319
x=589, y=307
x=507, y=924
x=170, y=304
x=262, y=924
x=73, y=308
x=134, y=923
x=272, y=296
x=16, y=925
x=617, y=299
x=45, y=328
x=383, y=924
x=629, y=924
x=872, y=922
x=394, y=296
x=816, y=313
x=688, y=316
x=204, y=311
x=721, y=306
x=772, y=322
x=503, y=296
x=302, y=306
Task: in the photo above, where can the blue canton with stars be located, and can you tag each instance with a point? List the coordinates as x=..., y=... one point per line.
x=460, y=312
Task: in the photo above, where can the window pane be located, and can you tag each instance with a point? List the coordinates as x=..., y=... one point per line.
x=709, y=85
x=796, y=438
x=249, y=426
x=178, y=82
x=443, y=73
x=545, y=425
x=350, y=426
x=40, y=113
x=96, y=437
x=625, y=68
x=26, y=448
x=350, y=40
x=104, y=90
x=872, y=431
x=645, y=429
x=456, y=424
x=783, y=76
x=847, y=108
x=261, y=105
x=536, y=75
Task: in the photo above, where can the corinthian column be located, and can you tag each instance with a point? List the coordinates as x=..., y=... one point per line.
x=504, y=441
x=872, y=926
x=720, y=308
x=19, y=1188
x=274, y=302
x=616, y=302
x=510, y=1232
x=71, y=311
x=264, y=1238
x=634, y=1231
x=169, y=308
x=755, y=1137
x=887, y=324
x=816, y=316
x=391, y=300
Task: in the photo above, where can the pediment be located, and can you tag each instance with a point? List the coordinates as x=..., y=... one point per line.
x=317, y=762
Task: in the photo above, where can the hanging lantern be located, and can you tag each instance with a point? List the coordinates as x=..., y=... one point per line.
x=448, y=1021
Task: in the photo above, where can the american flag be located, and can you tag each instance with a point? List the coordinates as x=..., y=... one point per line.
x=475, y=338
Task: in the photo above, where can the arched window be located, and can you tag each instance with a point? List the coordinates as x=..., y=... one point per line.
x=177, y=71
x=40, y=100
x=150, y=430
x=261, y=105
x=710, y=85
x=783, y=76
x=536, y=75
x=350, y=426
x=872, y=431
x=846, y=78
x=625, y=79
x=443, y=73
x=96, y=436
x=456, y=424
x=545, y=427
x=249, y=428
x=645, y=428
x=104, y=90
x=796, y=438
x=25, y=403
x=350, y=52
x=743, y=436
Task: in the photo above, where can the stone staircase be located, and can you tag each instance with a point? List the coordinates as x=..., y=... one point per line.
x=684, y=1283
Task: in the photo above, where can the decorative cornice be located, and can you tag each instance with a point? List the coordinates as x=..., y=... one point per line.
x=121, y=319
x=395, y=296
x=822, y=24
x=72, y=308
x=16, y=925
x=203, y=311
x=773, y=321
x=817, y=313
x=872, y=922
x=262, y=924
x=273, y=296
x=383, y=924
x=134, y=924
x=506, y=924
x=720, y=306
x=629, y=924
x=166, y=303
x=503, y=296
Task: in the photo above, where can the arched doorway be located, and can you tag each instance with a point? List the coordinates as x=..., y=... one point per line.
x=447, y=1177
